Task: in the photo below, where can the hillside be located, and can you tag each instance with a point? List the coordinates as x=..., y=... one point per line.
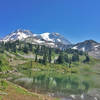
x=90, y=46
x=39, y=78
x=49, y=71
x=53, y=40
x=10, y=91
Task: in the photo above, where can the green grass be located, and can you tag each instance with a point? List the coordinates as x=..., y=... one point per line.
x=11, y=89
x=79, y=72
x=23, y=91
x=0, y=97
x=3, y=85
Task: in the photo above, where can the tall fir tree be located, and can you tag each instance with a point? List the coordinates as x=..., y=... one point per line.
x=36, y=57
x=66, y=58
x=50, y=55
x=0, y=65
x=60, y=59
x=87, y=59
x=45, y=59
x=75, y=57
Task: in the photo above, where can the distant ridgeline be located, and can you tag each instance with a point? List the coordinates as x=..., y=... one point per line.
x=44, y=54
x=53, y=40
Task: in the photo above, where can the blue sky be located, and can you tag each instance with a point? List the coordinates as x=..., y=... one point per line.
x=77, y=20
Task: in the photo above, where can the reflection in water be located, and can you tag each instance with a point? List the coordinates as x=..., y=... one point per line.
x=57, y=85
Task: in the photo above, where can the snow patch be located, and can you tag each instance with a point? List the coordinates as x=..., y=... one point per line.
x=45, y=36
x=83, y=49
x=21, y=35
x=96, y=46
x=75, y=47
x=38, y=41
x=51, y=44
x=16, y=36
x=58, y=40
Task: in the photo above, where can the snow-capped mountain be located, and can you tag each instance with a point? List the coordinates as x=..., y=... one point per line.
x=90, y=46
x=49, y=39
x=87, y=45
x=53, y=37
x=17, y=35
x=55, y=40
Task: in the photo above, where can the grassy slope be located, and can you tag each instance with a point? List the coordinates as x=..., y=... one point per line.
x=17, y=93
x=10, y=91
x=19, y=61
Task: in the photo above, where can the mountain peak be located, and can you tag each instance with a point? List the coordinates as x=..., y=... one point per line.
x=55, y=37
x=87, y=45
x=17, y=35
x=55, y=33
x=50, y=39
x=22, y=31
x=90, y=41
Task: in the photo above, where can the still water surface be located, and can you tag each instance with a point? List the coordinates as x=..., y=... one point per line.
x=65, y=86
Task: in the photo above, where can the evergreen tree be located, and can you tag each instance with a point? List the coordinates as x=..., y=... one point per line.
x=37, y=50
x=41, y=61
x=66, y=58
x=30, y=47
x=45, y=59
x=75, y=57
x=31, y=64
x=20, y=47
x=0, y=65
x=25, y=49
x=70, y=62
x=36, y=53
x=13, y=47
x=87, y=59
x=60, y=59
x=36, y=57
x=50, y=55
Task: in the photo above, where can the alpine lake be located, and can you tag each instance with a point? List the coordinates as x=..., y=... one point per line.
x=64, y=86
